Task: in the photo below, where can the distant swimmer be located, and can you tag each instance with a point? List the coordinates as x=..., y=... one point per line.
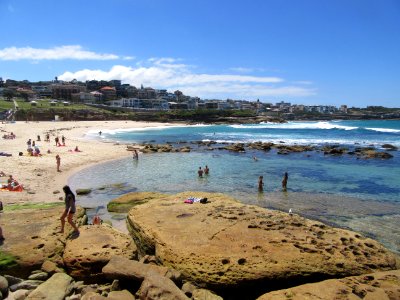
x=100, y=132
x=284, y=181
x=255, y=158
x=206, y=170
x=260, y=184
x=200, y=172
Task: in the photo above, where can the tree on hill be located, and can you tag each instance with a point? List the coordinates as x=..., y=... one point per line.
x=9, y=94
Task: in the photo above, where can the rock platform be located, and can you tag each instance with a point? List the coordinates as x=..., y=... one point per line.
x=229, y=245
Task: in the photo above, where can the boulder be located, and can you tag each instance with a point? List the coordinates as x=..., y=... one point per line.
x=85, y=256
x=225, y=244
x=120, y=295
x=26, y=285
x=50, y=267
x=39, y=276
x=122, y=268
x=56, y=288
x=125, y=202
x=33, y=237
x=381, y=285
x=157, y=287
x=3, y=285
x=200, y=294
x=93, y=296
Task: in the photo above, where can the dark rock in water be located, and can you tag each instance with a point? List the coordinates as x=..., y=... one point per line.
x=389, y=147
x=376, y=154
x=83, y=191
x=335, y=151
x=239, y=147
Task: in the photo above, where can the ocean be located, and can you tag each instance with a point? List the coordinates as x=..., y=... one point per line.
x=346, y=191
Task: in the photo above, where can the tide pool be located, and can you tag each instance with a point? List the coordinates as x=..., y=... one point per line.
x=359, y=194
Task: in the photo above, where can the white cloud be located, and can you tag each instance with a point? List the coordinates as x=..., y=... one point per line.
x=242, y=70
x=167, y=73
x=75, y=52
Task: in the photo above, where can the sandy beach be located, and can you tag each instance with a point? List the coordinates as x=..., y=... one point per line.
x=38, y=174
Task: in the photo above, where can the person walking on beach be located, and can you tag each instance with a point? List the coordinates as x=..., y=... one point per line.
x=58, y=160
x=63, y=140
x=200, y=172
x=284, y=181
x=100, y=132
x=70, y=209
x=206, y=170
x=260, y=184
x=57, y=140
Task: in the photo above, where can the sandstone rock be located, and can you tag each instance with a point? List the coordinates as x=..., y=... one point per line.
x=93, y=296
x=381, y=285
x=38, y=276
x=56, y=288
x=86, y=255
x=121, y=295
x=3, y=286
x=20, y=294
x=202, y=294
x=125, y=202
x=34, y=237
x=26, y=285
x=159, y=287
x=188, y=288
x=50, y=267
x=123, y=268
x=226, y=244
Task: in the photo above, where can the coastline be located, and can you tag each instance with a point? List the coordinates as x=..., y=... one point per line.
x=38, y=175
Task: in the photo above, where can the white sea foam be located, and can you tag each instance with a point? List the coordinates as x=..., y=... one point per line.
x=120, y=130
x=384, y=130
x=296, y=125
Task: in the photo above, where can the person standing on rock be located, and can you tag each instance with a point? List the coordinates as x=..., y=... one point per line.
x=284, y=181
x=69, y=211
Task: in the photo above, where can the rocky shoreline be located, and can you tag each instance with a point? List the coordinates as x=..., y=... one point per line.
x=363, y=152
x=220, y=249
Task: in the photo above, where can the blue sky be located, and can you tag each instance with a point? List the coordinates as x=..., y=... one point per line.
x=305, y=51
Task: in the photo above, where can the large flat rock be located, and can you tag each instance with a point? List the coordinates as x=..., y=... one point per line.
x=380, y=285
x=32, y=237
x=86, y=255
x=225, y=244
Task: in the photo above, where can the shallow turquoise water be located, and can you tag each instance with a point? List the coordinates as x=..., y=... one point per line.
x=362, y=195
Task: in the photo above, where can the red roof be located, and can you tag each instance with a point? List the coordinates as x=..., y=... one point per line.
x=107, y=88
